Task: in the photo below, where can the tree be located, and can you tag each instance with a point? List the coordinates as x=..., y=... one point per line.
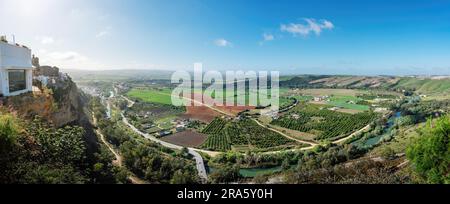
x=8, y=132
x=387, y=153
x=179, y=178
x=225, y=175
x=299, y=164
x=185, y=152
x=285, y=164
x=121, y=175
x=430, y=153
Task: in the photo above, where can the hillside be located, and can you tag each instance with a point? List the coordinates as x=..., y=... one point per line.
x=423, y=86
x=55, y=98
x=46, y=135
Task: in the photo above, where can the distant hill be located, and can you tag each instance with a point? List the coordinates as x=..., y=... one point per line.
x=419, y=85
x=425, y=86
x=88, y=75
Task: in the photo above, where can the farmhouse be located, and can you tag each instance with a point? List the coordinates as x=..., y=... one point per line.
x=320, y=98
x=15, y=69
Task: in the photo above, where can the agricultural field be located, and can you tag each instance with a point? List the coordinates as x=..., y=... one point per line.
x=218, y=142
x=186, y=138
x=323, y=123
x=244, y=134
x=215, y=127
x=348, y=102
x=201, y=113
x=295, y=134
x=163, y=96
x=152, y=117
x=329, y=92
x=345, y=100
x=153, y=95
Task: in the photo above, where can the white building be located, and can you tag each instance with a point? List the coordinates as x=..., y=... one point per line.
x=16, y=71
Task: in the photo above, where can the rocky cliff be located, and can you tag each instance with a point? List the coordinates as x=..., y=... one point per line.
x=55, y=98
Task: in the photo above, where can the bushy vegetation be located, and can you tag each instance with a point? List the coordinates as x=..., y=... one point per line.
x=419, y=110
x=35, y=152
x=147, y=161
x=364, y=172
x=430, y=153
x=9, y=131
x=326, y=164
x=225, y=175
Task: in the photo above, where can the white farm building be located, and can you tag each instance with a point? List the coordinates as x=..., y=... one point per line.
x=15, y=69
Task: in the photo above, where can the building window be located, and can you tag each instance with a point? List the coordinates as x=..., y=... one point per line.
x=17, y=80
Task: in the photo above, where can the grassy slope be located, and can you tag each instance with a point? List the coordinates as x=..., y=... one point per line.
x=425, y=85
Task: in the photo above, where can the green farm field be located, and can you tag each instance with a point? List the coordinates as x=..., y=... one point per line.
x=162, y=96
x=348, y=102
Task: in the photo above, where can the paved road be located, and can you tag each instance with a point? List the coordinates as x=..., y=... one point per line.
x=290, y=107
x=130, y=102
x=198, y=158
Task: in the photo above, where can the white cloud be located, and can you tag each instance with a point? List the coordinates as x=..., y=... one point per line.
x=45, y=40
x=66, y=59
x=268, y=37
x=67, y=56
x=102, y=34
x=62, y=59
x=328, y=24
x=311, y=26
x=222, y=43
x=76, y=12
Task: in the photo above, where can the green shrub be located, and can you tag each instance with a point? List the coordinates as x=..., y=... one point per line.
x=9, y=131
x=430, y=153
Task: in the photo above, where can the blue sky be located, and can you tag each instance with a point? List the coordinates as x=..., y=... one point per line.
x=302, y=37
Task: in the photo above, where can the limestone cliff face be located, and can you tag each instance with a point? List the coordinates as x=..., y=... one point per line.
x=55, y=98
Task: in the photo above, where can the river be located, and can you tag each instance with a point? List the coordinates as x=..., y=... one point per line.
x=108, y=105
x=370, y=142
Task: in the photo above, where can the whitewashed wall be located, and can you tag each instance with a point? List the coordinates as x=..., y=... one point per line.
x=14, y=56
